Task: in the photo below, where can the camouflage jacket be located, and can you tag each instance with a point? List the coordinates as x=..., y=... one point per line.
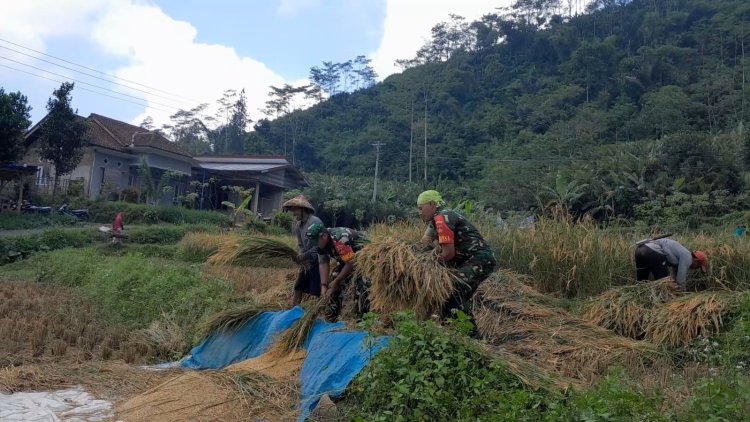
x=343, y=245
x=449, y=226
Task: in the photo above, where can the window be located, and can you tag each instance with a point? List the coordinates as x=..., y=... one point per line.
x=106, y=161
x=119, y=164
x=40, y=181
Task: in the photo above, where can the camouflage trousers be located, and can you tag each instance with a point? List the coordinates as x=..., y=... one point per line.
x=471, y=273
x=361, y=290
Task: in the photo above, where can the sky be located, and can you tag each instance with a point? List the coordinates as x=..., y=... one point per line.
x=136, y=58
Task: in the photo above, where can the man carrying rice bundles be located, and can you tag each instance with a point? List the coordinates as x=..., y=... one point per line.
x=461, y=247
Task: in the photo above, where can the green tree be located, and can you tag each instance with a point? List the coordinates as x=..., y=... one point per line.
x=14, y=120
x=63, y=134
x=665, y=111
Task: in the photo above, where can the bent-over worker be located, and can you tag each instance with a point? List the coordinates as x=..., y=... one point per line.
x=664, y=257
x=341, y=244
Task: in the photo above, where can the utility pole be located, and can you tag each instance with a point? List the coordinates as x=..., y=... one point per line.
x=411, y=135
x=377, y=146
x=425, y=134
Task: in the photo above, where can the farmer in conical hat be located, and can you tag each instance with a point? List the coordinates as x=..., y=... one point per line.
x=461, y=247
x=341, y=244
x=308, y=279
x=664, y=257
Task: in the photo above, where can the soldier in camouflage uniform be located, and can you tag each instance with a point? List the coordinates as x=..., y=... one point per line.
x=341, y=244
x=462, y=247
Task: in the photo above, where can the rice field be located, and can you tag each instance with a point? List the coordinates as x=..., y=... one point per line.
x=563, y=309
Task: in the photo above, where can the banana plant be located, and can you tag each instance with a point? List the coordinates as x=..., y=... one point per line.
x=239, y=209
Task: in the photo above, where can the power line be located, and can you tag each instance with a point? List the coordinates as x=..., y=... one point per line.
x=93, y=70
x=93, y=76
x=86, y=83
x=85, y=89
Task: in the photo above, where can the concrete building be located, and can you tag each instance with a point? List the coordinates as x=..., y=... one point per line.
x=116, y=151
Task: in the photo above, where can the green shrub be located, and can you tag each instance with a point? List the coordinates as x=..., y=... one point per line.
x=724, y=398
x=283, y=220
x=16, y=247
x=611, y=399
x=163, y=234
x=256, y=225
x=425, y=375
x=14, y=221
x=105, y=211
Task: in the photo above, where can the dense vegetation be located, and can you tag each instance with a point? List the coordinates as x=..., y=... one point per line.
x=629, y=109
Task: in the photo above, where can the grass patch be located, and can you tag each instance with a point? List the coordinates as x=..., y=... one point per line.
x=134, y=290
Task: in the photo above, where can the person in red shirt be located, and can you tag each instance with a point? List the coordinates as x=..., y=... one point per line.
x=117, y=227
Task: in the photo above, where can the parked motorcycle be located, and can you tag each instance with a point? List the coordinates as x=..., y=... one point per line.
x=81, y=214
x=29, y=208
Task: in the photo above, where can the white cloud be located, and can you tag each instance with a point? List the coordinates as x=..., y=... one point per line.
x=407, y=26
x=163, y=54
x=159, y=51
x=293, y=7
x=31, y=22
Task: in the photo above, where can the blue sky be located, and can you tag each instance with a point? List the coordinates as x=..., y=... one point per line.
x=290, y=42
x=186, y=52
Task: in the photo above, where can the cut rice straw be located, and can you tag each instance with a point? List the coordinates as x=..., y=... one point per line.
x=625, y=310
x=293, y=338
x=251, y=251
x=512, y=315
x=233, y=318
x=404, y=278
x=677, y=323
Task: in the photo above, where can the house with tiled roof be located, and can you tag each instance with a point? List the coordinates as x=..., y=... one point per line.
x=116, y=150
x=112, y=156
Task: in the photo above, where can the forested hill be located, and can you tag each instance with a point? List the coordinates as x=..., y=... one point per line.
x=614, y=107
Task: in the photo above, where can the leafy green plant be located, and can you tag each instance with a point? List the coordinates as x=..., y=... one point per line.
x=239, y=209
x=725, y=398
x=426, y=375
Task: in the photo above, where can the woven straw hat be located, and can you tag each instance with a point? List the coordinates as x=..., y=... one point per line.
x=298, y=202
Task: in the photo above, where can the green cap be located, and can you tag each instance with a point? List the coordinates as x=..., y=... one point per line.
x=314, y=231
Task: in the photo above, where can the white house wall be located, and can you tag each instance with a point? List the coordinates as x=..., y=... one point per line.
x=109, y=166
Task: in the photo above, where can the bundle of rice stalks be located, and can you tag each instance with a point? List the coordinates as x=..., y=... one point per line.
x=198, y=246
x=524, y=322
x=403, y=277
x=233, y=318
x=528, y=373
x=292, y=339
x=680, y=321
x=251, y=251
x=625, y=310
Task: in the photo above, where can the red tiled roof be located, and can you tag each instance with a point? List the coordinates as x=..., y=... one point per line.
x=123, y=134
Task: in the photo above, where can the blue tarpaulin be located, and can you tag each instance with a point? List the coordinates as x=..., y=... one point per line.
x=249, y=341
x=334, y=357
